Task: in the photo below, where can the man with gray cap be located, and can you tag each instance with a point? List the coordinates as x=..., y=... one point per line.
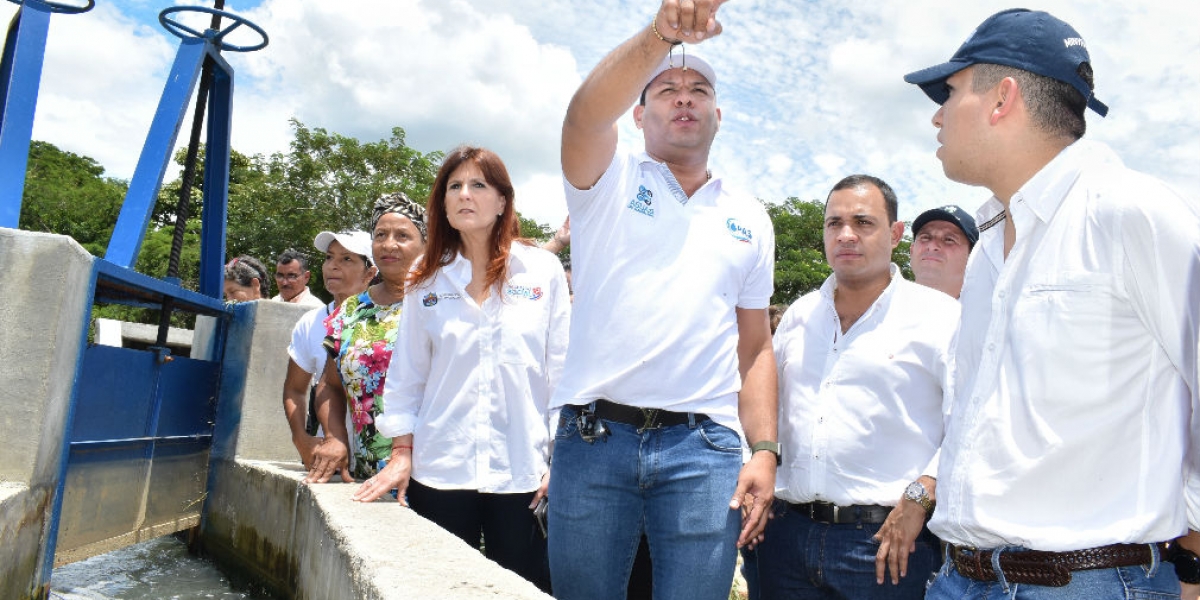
x=942, y=239
x=670, y=359
x=1070, y=461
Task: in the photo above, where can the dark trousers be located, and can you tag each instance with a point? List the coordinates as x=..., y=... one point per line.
x=501, y=524
x=800, y=559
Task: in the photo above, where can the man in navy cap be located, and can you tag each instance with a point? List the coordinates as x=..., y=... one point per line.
x=1072, y=454
x=942, y=239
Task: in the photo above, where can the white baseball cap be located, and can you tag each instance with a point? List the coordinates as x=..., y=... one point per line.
x=358, y=242
x=685, y=61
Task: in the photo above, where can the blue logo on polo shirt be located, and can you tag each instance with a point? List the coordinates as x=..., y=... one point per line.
x=738, y=231
x=642, y=202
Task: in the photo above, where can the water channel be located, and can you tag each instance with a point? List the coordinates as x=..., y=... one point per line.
x=157, y=569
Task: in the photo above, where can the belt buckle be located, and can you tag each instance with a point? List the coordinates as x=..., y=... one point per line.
x=650, y=419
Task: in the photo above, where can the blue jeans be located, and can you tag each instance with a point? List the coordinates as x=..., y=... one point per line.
x=802, y=559
x=1149, y=582
x=673, y=483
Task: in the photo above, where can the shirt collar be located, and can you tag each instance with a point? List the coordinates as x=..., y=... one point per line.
x=830, y=285
x=714, y=181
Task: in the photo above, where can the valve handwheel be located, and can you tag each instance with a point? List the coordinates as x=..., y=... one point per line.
x=59, y=7
x=183, y=31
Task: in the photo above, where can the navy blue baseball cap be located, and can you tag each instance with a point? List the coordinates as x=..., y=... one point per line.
x=1033, y=41
x=950, y=214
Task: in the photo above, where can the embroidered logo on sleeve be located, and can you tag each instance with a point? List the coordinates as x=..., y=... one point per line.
x=524, y=291
x=739, y=232
x=643, y=201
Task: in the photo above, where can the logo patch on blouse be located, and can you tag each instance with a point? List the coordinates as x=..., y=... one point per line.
x=643, y=201
x=738, y=231
x=432, y=299
x=523, y=291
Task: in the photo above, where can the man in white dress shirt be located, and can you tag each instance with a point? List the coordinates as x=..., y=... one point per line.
x=291, y=276
x=1071, y=455
x=863, y=366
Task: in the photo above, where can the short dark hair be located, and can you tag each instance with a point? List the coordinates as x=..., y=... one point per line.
x=287, y=256
x=860, y=180
x=1055, y=107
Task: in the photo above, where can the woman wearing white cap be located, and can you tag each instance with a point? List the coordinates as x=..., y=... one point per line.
x=347, y=271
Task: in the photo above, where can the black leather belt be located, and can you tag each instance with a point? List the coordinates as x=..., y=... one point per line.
x=824, y=512
x=642, y=418
x=1038, y=567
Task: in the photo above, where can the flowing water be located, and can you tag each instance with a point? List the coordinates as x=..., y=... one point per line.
x=158, y=569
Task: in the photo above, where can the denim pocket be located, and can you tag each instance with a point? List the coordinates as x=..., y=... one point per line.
x=1140, y=586
x=719, y=437
x=568, y=424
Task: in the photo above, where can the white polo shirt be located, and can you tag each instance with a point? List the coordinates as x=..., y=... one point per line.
x=307, y=348
x=657, y=276
x=472, y=383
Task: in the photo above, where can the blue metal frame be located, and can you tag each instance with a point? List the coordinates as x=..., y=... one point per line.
x=139, y=203
x=20, y=78
x=173, y=387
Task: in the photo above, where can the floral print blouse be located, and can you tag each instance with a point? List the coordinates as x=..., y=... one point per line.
x=360, y=338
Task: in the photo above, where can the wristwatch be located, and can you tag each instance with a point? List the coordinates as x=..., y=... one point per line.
x=1187, y=564
x=772, y=447
x=917, y=493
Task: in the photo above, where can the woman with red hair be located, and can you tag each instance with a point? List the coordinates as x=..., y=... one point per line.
x=483, y=334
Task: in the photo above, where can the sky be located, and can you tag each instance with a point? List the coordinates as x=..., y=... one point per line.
x=810, y=91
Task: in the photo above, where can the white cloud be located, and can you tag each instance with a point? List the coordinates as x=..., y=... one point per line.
x=810, y=91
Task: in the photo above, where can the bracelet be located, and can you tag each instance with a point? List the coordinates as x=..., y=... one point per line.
x=654, y=28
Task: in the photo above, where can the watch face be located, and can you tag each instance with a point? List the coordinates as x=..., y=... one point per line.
x=1187, y=566
x=914, y=491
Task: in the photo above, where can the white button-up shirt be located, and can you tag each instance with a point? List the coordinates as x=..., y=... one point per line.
x=472, y=383
x=861, y=414
x=1077, y=366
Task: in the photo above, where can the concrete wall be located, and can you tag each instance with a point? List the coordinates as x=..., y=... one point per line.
x=44, y=283
x=311, y=542
x=250, y=419
x=314, y=543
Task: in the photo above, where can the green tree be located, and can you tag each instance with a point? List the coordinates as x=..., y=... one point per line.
x=67, y=194
x=800, y=265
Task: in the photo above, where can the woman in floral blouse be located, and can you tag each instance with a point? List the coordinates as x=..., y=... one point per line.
x=361, y=337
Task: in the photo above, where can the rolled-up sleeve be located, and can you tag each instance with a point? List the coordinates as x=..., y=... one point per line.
x=407, y=374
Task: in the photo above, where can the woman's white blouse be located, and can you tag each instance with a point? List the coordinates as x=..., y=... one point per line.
x=472, y=383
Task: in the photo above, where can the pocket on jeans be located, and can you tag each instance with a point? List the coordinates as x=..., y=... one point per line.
x=568, y=425
x=1140, y=587
x=719, y=437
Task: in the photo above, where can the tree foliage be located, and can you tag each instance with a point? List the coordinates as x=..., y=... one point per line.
x=66, y=193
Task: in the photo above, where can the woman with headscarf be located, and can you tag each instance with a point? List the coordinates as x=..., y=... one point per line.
x=245, y=280
x=361, y=337
x=483, y=336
